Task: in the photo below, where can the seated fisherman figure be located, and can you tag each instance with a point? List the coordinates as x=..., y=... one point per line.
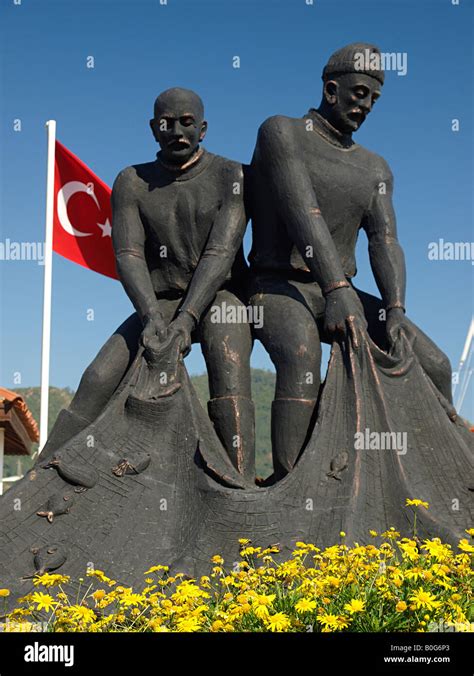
x=178, y=224
x=313, y=189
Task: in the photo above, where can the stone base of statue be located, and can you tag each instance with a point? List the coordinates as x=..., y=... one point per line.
x=149, y=482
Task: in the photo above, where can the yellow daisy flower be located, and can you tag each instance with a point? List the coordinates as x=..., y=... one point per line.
x=50, y=580
x=305, y=606
x=278, y=622
x=465, y=546
x=43, y=601
x=328, y=620
x=188, y=624
x=423, y=599
x=416, y=503
x=355, y=606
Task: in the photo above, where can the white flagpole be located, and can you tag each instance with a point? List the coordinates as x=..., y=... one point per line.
x=48, y=277
x=465, y=353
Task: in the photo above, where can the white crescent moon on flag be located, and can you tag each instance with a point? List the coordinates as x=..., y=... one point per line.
x=66, y=192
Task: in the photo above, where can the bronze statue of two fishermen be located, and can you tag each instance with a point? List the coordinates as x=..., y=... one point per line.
x=135, y=473
x=178, y=225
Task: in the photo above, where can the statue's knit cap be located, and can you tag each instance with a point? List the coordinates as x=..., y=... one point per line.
x=355, y=58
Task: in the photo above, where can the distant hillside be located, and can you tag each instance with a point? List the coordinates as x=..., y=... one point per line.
x=58, y=399
x=263, y=386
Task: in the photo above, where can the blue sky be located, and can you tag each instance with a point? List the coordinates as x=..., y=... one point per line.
x=142, y=47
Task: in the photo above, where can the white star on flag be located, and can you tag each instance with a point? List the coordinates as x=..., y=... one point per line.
x=106, y=228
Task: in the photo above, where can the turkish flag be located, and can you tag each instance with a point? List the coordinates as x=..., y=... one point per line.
x=82, y=221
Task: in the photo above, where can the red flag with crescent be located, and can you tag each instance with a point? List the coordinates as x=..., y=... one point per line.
x=82, y=221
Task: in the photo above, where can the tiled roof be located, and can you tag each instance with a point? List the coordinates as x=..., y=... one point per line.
x=23, y=411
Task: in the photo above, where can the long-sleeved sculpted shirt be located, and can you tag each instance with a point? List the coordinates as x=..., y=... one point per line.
x=186, y=227
x=300, y=168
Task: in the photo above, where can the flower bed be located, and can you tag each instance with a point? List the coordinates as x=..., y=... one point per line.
x=402, y=585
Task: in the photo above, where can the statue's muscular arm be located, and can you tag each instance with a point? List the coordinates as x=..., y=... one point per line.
x=386, y=255
x=279, y=158
x=128, y=239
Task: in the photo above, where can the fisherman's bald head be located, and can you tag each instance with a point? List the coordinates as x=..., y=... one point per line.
x=178, y=124
x=176, y=100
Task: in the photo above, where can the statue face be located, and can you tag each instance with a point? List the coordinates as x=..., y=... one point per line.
x=351, y=98
x=178, y=127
